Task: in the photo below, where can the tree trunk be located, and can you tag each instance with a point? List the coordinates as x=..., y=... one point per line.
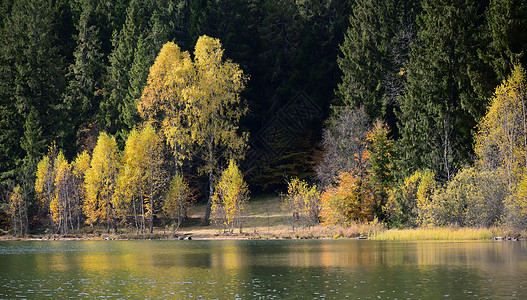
x=209, y=202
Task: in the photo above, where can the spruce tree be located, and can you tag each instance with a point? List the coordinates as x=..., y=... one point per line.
x=506, y=36
x=84, y=90
x=34, y=69
x=439, y=108
x=147, y=27
x=375, y=49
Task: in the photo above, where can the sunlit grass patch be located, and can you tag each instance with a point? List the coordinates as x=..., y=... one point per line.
x=438, y=233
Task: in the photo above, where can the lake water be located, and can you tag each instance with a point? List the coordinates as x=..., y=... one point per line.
x=313, y=269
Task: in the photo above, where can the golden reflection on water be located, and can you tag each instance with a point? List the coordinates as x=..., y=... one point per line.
x=146, y=269
x=139, y=257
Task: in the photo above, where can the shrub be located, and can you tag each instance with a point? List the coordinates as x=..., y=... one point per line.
x=409, y=202
x=349, y=199
x=472, y=198
x=302, y=201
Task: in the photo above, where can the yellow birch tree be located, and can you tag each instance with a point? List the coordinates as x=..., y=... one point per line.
x=45, y=180
x=176, y=200
x=231, y=197
x=501, y=141
x=303, y=202
x=197, y=105
x=215, y=108
x=142, y=177
x=79, y=168
x=163, y=102
x=17, y=209
x=100, y=182
x=61, y=206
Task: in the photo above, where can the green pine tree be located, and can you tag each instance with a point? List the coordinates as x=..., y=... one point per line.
x=374, y=51
x=439, y=108
x=83, y=93
x=506, y=36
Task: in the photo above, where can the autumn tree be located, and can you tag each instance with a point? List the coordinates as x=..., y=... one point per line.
x=61, y=205
x=163, y=101
x=80, y=166
x=344, y=142
x=348, y=200
x=17, y=209
x=501, y=141
x=177, y=200
x=216, y=108
x=516, y=206
x=410, y=200
x=100, y=182
x=302, y=202
x=472, y=198
x=142, y=177
x=230, y=197
x=197, y=99
x=128, y=197
x=45, y=180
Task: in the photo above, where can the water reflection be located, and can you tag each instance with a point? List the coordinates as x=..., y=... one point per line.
x=252, y=269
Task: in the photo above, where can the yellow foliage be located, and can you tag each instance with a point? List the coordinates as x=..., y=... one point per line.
x=45, y=177
x=516, y=206
x=17, y=209
x=410, y=200
x=214, y=103
x=425, y=202
x=302, y=200
x=141, y=176
x=16, y=202
x=63, y=192
x=176, y=200
x=100, y=180
x=44, y=169
x=230, y=197
x=501, y=141
x=81, y=164
x=163, y=101
x=197, y=103
x=350, y=199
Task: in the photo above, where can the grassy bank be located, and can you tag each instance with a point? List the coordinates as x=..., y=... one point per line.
x=438, y=233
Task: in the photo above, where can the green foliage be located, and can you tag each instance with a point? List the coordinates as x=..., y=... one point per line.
x=83, y=94
x=409, y=201
x=380, y=150
x=230, y=197
x=377, y=44
x=473, y=198
x=507, y=39
x=439, y=108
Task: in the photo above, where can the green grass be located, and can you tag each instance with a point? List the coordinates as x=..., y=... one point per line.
x=437, y=233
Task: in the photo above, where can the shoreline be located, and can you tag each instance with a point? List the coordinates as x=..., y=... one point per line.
x=314, y=233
